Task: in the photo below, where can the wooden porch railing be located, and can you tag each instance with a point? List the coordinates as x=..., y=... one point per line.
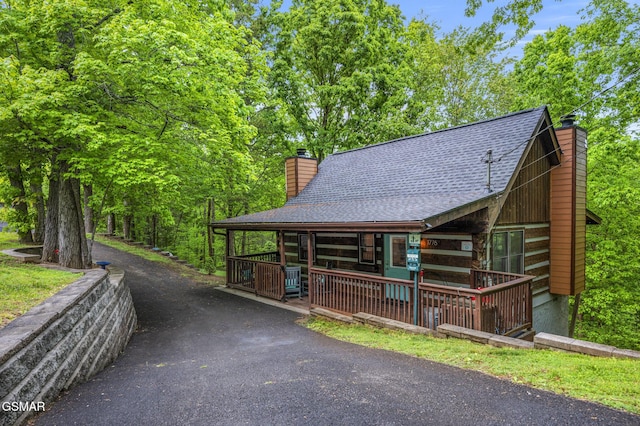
x=479, y=278
x=350, y=293
x=502, y=309
x=258, y=273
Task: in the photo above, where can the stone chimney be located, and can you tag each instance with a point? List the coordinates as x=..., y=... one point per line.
x=569, y=211
x=299, y=171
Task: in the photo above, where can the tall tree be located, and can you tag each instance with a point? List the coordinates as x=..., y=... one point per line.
x=457, y=78
x=121, y=95
x=338, y=65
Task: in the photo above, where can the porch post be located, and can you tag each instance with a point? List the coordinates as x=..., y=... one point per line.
x=477, y=323
x=283, y=264
x=309, y=264
x=231, y=246
x=227, y=253
x=283, y=260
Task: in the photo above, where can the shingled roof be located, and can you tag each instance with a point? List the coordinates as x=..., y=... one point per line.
x=412, y=179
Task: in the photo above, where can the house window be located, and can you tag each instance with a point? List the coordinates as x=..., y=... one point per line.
x=303, y=252
x=508, y=251
x=399, y=251
x=367, y=249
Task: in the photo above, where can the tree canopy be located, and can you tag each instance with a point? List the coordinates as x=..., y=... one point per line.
x=126, y=96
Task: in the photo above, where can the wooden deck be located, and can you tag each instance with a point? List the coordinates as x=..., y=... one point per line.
x=495, y=302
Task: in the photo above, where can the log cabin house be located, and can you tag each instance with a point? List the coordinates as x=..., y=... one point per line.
x=497, y=207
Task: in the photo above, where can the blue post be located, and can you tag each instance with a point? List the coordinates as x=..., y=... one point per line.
x=415, y=298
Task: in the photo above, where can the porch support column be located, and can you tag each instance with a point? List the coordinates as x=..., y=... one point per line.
x=309, y=253
x=283, y=259
x=479, y=253
x=228, y=252
x=283, y=264
x=309, y=264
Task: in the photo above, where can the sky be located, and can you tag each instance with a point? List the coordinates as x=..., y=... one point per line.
x=450, y=13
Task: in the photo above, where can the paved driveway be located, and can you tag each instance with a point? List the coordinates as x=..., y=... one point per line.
x=205, y=357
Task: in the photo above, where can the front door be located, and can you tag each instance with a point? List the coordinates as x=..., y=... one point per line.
x=395, y=256
x=395, y=265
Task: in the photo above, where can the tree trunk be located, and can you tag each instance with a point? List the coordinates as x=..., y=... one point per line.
x=74, y=252
x=65, y=241
x=211, y=217
x=38, y=234
x=126, y=226
x=88, y=210
x=574, y=314
x=126, y=221
x=111, y=223
x=20, y=205
x=50, y=248
x=154, y=231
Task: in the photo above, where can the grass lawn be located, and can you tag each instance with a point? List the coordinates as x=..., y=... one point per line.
x=23, y=285
x=609, y=381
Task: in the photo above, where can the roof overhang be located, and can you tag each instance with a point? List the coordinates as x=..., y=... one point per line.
x=401, y=227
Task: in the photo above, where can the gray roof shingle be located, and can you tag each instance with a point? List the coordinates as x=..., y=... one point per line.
x=410, y=179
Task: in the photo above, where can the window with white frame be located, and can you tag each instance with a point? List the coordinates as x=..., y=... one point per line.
x=508, y=251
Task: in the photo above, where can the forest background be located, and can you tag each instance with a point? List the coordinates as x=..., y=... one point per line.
x=153, y=118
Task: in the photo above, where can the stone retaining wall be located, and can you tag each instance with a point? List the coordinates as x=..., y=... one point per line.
x=62, y=342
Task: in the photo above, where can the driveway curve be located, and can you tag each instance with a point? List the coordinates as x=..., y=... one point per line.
x=201, y=356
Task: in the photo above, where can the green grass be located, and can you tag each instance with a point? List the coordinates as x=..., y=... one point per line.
x=613, y=382
x=23, y=285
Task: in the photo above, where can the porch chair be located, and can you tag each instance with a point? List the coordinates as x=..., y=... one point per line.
x=293, y=281
x=246, y=275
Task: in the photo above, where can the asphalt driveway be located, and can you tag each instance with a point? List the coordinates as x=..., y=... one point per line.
x=205, y=357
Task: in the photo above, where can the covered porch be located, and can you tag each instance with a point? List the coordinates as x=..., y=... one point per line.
x=494, y=302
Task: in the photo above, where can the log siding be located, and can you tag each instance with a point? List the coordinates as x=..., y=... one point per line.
x=444, y=261
x=339, y=250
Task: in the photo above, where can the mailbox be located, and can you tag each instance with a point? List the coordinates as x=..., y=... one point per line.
x=413, y=259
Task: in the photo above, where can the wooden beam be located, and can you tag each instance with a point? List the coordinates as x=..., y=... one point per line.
x=309, y=252
x=283, y=257
x=229, y=236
